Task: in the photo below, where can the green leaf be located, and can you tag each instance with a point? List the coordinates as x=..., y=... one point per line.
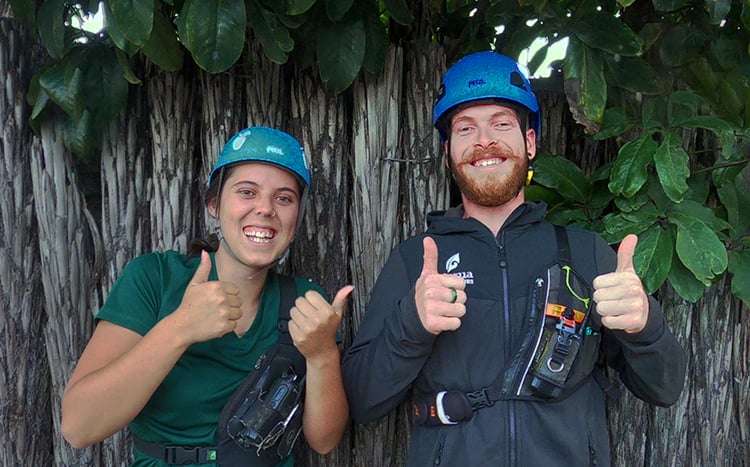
x=377, y=44
x=735, y=198
x=163, y=48
x=630, y=170
x=672, y=165
x=699, y=248
x=585, y=86
x=298, y=7
x=698, y=211
x=684, y=282
x=114, y=32
x=214, y=33
x=654, y=112
x=274, y=36
x=717, y=10
x=602, y=30
x=739, y=266
x=614, y=122
x=617, y=226
x=634, y=74
x=653, y=256
x=705, y=121
x=341, y=51
x=562, y=175
x=135, y=18
x=23, y=11
x=336, y=9
x=103, y=102
x=681, y=45
x=63, y=84
x=81, y=135
x=51, y=23
x=127, y=71
x=399, y=11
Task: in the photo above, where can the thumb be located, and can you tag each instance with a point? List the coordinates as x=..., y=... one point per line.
x=625, y=254
x=430, y=256
x=339, y=301
x=204, y=269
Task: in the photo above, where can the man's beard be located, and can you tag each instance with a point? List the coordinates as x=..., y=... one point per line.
x=494, y=190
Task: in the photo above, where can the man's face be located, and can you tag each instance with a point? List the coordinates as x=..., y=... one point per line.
x=489, y=153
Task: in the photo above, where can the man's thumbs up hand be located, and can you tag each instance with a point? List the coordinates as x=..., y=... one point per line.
x=620, y=297
x=440, y=298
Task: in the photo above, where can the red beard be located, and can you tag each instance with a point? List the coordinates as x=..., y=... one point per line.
x=494, y=190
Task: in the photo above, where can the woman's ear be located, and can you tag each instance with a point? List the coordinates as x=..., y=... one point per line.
x=212, y=209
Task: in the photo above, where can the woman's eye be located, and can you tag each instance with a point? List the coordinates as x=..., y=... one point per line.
x=284, y=199
x=246, y=192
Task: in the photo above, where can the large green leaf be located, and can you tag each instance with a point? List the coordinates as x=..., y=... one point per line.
x=682, y=44
x=399, y=11
x=717, y=10
x=615, y=121
x=51, y=23
x=214, y=33
x=617, y=226
x=653, y=256
x=585, y=86
x=163, y=47
x=739, y=266
x=704, y=214
x=735, y=197
x=275, y=37
x=377, y=43
x=341, y=50
x=602, y=30
x=672, y=165
x=699, y=248
x=562, y=175
x=105, y=85
x=684, y=282
x=63, y=83
x=634, y=74
x=134, y=18
x=114, y=32
x=82, y=135
x=630, y=170
x=336, y=9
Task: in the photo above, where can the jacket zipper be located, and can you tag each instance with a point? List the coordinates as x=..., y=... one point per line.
x=439, y=450
x=506, y=335
x=536, y=303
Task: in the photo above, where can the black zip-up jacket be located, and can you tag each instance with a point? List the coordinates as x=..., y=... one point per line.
x=394, y=357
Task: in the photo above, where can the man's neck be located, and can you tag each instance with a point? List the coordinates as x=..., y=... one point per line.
x=493, y=217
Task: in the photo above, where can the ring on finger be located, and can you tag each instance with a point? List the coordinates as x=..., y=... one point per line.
x=454, y=295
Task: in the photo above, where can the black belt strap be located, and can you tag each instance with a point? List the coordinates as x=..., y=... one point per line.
x=177, y=455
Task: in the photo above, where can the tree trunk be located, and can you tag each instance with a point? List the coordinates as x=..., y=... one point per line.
x=69, y=272
x=24, y=371
x=320, y=249
x=376, y=227
x=174, y=155
x=125, y=219
x=424, y=173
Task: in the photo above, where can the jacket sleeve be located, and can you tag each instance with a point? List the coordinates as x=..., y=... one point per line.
x=650, y=363
x=390, y=346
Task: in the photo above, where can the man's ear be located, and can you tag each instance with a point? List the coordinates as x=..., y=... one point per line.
x=531, y=143
x=446, y=148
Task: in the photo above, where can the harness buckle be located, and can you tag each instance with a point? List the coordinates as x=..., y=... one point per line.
x=480, y=399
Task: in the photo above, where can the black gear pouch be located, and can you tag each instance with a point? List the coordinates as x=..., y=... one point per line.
x=567, y=346
x=263, y=419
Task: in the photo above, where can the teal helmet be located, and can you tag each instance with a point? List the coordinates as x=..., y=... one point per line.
x=484, y=76
x=263, y=144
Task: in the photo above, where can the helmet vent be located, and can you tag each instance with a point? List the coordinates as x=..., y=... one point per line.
x=517, y=80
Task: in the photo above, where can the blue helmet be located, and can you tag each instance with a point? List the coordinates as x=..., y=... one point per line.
x=484, y=75
x=263, y=144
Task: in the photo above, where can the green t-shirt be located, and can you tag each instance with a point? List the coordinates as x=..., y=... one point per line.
x=185, y=408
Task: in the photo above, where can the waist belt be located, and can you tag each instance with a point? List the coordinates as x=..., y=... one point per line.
x=177, y=455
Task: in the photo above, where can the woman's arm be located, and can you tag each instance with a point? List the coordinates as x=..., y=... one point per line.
x=313, y=327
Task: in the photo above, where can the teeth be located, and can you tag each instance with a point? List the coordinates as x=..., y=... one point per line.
x=487, y=162
x=259, y=235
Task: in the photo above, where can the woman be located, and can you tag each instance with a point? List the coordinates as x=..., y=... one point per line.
x=177, y=335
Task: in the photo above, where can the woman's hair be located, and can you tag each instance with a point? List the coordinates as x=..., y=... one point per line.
x=210, y=243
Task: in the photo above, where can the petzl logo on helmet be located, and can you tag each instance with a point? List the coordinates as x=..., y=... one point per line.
x=452, y=263
x=274, y=150
x=477, y=82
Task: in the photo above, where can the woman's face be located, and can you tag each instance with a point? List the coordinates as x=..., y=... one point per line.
x=257, y=210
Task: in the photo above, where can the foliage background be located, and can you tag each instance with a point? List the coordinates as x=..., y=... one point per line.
x=107, y=137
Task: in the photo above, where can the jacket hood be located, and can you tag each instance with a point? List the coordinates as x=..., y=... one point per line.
x=452, y=220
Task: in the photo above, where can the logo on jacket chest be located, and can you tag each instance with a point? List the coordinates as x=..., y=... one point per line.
x=452, y=263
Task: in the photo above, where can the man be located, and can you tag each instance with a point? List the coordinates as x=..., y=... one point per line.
x=495, y=323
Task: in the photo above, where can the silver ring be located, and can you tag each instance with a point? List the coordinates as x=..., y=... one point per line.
x=454, y=295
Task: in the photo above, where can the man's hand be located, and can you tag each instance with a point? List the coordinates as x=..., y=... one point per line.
x=440, y=297
x=620, y=298
x=314, y=322
x=209, y=309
